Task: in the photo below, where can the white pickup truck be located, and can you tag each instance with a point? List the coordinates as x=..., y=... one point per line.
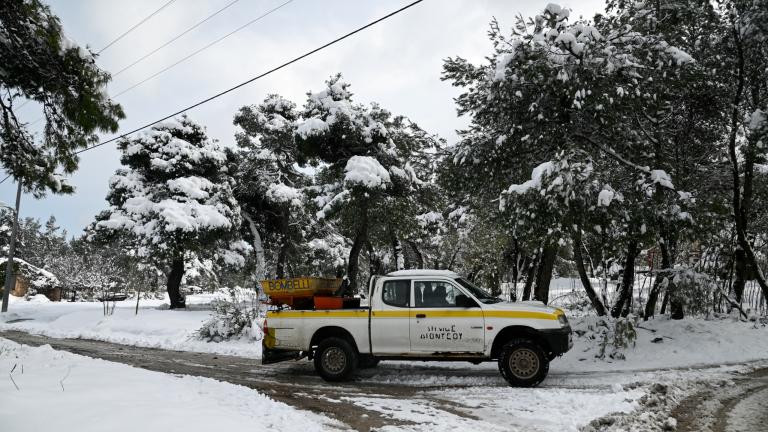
x=425, y=315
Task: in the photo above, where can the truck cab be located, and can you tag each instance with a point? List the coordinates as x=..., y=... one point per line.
x=423, y=315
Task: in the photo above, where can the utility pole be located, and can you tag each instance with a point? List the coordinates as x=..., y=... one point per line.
x=10, y=277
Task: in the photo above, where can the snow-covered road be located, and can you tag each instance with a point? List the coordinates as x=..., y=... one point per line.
x=407, y=396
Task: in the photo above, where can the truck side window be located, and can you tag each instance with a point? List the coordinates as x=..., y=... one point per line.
x=430, y=294
x=396, y=293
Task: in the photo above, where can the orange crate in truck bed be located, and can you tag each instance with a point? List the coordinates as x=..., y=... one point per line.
x=323, y=302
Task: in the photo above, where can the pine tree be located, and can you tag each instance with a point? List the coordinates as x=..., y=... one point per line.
x=555, y=90
x=270, y=186
x=365, y=170
x=174, y=201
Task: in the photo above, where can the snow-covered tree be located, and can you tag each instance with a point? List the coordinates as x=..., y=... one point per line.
x=745, y=58
x=269, y=186
x=173, y=201
x=364, y=173
x=553, y=87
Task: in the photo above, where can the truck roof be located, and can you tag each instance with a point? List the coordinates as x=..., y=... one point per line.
x=423, y=272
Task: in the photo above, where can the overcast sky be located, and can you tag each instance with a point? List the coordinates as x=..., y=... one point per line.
x=396, y=63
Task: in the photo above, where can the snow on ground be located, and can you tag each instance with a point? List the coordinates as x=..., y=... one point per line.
x=54, y=390
x=152, y=327
x=502, y=409
x=680, y=343
x=580, y=387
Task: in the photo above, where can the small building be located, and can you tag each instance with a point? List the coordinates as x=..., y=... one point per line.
x=31, y=280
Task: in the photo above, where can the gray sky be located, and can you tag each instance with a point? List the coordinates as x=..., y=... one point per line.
x=396, y=63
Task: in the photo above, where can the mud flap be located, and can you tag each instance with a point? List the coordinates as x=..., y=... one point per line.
x=270, y=356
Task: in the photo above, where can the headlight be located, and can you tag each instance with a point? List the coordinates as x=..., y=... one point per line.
x=562, y=319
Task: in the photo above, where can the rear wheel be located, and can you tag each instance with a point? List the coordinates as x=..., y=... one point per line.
x=523, y=363
x=335, y=359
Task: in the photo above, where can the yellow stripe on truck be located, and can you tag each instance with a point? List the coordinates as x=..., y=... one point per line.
x=411, y=313
x=319, y=314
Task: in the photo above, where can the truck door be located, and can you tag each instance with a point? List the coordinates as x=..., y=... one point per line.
x=389, y=318
x=438, y=325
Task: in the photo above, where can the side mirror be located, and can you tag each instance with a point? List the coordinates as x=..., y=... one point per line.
x=463, y=301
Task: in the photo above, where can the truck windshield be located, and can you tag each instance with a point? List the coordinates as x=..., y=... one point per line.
x=481, y=294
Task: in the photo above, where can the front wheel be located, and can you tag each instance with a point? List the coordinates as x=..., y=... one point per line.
x=523, y=363
x=335, y=359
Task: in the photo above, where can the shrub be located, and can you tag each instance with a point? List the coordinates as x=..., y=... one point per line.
x=235, y=315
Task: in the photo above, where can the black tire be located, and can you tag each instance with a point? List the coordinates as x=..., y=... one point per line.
x=523, y=363
x=367, y=362
x=335, y=359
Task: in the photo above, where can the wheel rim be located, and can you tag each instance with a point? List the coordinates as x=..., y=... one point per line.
x=524, y=363
x=334, y=360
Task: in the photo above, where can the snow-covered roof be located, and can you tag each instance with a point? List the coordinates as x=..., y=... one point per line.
x=423, y=272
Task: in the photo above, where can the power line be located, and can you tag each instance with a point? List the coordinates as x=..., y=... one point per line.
x=231, y=89
x=201, y=49
x=135, y=26
x=6, y=178
x=144, y=57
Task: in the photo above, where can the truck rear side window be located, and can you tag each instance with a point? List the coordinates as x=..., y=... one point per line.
x=396, y=293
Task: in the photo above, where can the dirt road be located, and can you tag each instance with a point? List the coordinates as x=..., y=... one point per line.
x=731, y=406
x=294, y=383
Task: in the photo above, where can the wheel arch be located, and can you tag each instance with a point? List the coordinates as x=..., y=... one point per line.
x=516, y=332
x=332, y=331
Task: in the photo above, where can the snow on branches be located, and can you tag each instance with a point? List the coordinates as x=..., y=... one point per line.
x=175, y=195
x=366, y=171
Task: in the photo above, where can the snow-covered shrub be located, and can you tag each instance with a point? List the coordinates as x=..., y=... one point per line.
x=235, y=315
x=613, y=336
x=694, y=290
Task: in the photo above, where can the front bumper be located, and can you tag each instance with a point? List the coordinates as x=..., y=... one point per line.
x=559, y=340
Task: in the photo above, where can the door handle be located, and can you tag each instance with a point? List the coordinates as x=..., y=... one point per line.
x=421, y=315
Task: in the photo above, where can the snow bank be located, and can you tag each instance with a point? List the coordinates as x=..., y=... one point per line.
x=691, y=342
x=151, y=328
x=77, y=393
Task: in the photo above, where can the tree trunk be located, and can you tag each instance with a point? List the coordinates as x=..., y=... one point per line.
x=515, y=275
x=397, y=254
x=174, y=284
x=530, y=276
x=740, y=273
x=661, y=275
x=620, y=307
x=544, y=273
x=258, y=247
x=282, y=254
x=354, y=254
x=579, y=258
x=375, y=264
x=417, y=252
